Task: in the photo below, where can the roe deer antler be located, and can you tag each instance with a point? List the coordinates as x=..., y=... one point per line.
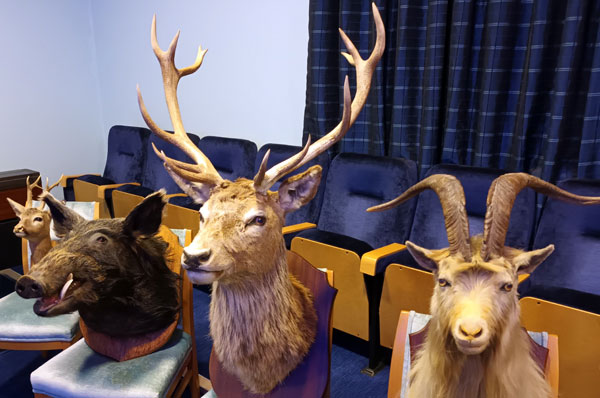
x=29, y=201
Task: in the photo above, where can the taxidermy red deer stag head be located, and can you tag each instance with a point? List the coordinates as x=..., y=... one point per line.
x=262, y=320
x=475, y=346
x=113, y=271
x=34, y=222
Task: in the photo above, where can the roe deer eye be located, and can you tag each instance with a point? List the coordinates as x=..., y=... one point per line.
x=38, y=219
x=443, y=283
x=507, y=287
x=259, y=220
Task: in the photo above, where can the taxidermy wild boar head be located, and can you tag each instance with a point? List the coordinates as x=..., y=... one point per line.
x=113, y=271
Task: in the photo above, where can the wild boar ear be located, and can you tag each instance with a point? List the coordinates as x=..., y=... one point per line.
x=527, y=262
x=424, y=257
x=17, y=208
x=145, y=218
x=64, y=218
x=298, y=190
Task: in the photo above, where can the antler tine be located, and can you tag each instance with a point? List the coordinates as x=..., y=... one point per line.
x=500, y=201
x=452, y=197
x=171, y=76
x=364, y=73
x=30, y=187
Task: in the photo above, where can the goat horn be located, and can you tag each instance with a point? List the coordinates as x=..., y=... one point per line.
x=452, y=197
x=500, y=200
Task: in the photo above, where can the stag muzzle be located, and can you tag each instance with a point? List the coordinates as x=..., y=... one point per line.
x=191, y=259
x=27, y=287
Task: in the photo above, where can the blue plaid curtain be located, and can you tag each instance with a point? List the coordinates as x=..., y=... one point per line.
x=513, y=85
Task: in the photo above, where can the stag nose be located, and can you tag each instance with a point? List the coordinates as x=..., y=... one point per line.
x=195, y=257
x=27, y=287
x=470, y=329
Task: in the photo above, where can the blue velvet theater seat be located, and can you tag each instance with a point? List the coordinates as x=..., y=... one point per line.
x=232, y=157
x=563, y=294
x=125, y=161
x=347, y=237
x=406, y=285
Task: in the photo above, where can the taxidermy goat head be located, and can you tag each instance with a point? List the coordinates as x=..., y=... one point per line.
x=475, y=346
x=113, y=271
x=263, y=321
x=34, y=222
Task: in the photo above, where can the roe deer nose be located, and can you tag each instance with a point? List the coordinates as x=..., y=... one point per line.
x=28, y=287
x=195, y=257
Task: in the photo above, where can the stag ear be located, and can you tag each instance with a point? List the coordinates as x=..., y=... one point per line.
x=527, y=262
x=298, y=190
x=198, y=191
x=424, y=257
x=64, y=218
x=145, y=218
x=17, y=208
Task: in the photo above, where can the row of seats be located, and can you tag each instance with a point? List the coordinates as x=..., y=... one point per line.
x=375, y=277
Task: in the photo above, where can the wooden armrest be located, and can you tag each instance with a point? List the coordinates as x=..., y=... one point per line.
x=522, y=277
x=64, y=178
x=368, y=261
x=175, y=195
x=103, y=188
x=297, y=227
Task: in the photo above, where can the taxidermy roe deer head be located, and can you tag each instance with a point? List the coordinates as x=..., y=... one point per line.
x=262, y=320
x=34, y=222
x=113, y=271
x=475, y=346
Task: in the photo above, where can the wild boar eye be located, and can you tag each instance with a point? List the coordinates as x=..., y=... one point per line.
x=507, y=287
x=101, y=239
x=258, y=220
x=38, y=219
x=443, y=283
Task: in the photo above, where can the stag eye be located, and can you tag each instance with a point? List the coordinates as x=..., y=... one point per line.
x=443, y=283
x=258, y=220
x=507, y=287
x=38, y=219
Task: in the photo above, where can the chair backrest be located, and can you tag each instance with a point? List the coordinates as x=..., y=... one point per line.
x=155, y=176
x=126, y=154
x=573, y=266
x=428, y=224
x=87, y=210
x=356, y=182
x=232, y=157
x=309, y=212
x=311, y=378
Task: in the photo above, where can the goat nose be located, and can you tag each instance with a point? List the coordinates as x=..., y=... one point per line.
x=27, y=287
x=195, y=258
x=470, y=329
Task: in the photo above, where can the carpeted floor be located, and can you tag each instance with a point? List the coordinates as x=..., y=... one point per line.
x=346, y=363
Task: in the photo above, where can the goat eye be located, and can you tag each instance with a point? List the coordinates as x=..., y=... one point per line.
x=38, y=219
x=443, y=283
x=507, y=287
x=259, y=220
x=101, y=239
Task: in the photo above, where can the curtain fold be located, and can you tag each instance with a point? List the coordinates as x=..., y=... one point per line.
x=513, y=85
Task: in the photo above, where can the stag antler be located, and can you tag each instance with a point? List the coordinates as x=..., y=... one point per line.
x=452, y=197
x=364, y=74
x=171, y=75
x=501, y=198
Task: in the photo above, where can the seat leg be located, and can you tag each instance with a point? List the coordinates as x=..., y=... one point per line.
x=374, y=287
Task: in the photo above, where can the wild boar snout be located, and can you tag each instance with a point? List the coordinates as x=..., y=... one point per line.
x=27, y=287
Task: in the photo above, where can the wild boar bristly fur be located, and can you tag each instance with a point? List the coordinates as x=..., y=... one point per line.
x=121, y=284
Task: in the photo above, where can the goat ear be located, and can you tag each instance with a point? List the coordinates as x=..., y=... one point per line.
x=145, y=218
x=527, y=262
x=298, y=190
x=198, y=191
x=64, y=218
x=17, y=208
x=424, y=257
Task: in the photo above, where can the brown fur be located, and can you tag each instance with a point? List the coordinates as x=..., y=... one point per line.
x=505, y=368
x=262, y=320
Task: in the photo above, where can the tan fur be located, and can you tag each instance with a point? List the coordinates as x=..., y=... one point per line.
x=262, y=320
x=505, y=368
x=34, y=225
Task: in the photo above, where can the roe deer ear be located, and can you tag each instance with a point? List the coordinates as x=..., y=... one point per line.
x=145, y=218
x=17, y=208
x=64, y=218
x=298, y=190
